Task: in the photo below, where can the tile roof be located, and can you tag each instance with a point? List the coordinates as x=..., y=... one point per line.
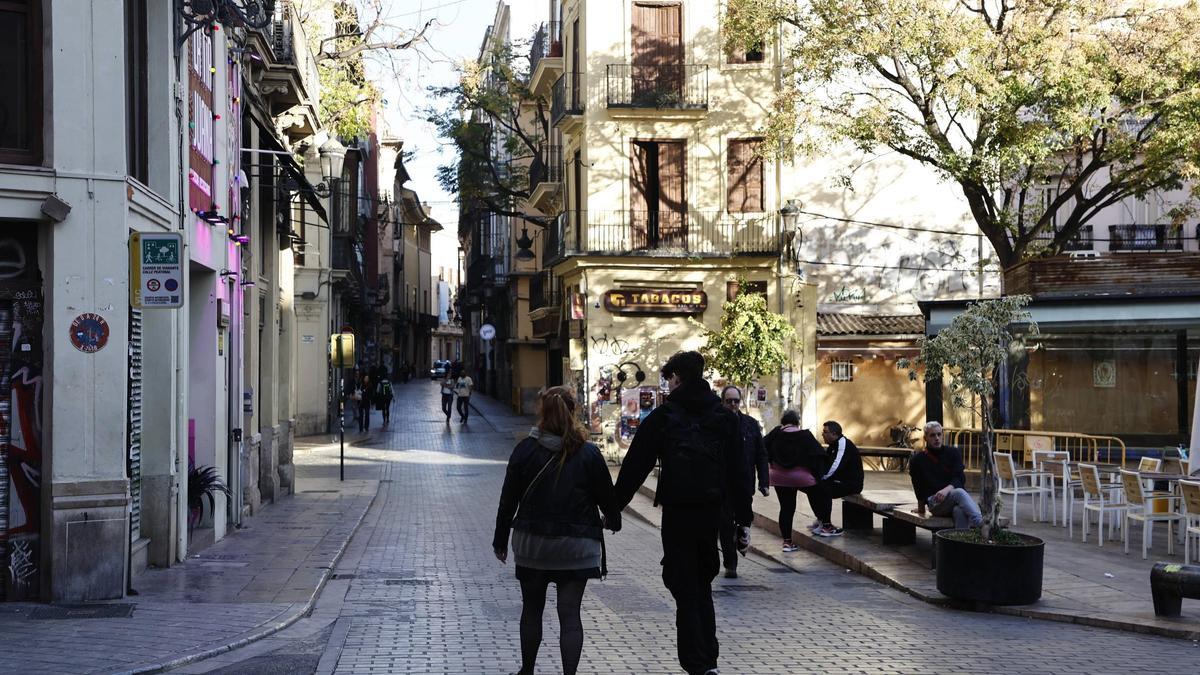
x=866, y=324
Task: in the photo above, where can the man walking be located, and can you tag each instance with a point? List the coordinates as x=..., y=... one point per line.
x=756, y=459
x=699, y=445
x=462, y=389
x=447, y=395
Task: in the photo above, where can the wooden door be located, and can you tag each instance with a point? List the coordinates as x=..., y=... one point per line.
x=672, y=200
x=643, y=191
x=658, y=201
x=657, y=49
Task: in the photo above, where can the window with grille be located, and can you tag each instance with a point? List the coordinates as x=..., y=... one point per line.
x=843, y=371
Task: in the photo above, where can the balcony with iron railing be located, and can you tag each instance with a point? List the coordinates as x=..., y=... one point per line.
x=1136, y=237
x=658, y=87
x=545, y=57
x=665, y=233
x=566, y=103
x=546, y=166
x=1082, y=241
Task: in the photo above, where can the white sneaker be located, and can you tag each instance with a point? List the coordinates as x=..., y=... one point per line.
x=814, y=526
x=789, y=547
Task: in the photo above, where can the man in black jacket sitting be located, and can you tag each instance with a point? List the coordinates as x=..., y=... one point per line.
x=843, y=477
x=938, y=479
x=699, y=444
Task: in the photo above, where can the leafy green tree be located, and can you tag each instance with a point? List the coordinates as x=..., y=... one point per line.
x=752, y=340
x=498, y=127
x=970, y=350
x=1043, y=112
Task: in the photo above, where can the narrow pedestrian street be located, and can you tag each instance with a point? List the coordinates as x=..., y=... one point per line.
x=418, y=590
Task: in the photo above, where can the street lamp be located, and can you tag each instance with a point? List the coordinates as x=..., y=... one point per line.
x=333, y=155
x=524, y=242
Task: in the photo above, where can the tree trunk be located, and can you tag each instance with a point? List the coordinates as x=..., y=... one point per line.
x=987, y=472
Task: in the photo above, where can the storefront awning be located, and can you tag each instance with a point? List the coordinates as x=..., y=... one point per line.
x=1178, y=311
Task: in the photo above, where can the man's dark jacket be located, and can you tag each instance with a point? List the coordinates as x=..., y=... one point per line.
x=933, y=470
x=561, y=503
x=848, y=469
x=756, y=452
x=697, y=399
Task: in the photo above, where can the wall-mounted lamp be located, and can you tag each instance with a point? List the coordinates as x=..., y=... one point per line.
x=333, y=156
x=225, y=274
x=211, y=217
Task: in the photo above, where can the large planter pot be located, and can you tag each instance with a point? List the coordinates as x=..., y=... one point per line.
x=991, y=574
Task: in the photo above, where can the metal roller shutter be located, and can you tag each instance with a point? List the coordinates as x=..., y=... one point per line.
x=134, y=433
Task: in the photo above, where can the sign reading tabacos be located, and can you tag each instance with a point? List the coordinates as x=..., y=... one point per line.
x=655, y=301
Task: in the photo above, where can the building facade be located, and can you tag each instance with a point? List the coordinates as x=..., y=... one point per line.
x=107, y=401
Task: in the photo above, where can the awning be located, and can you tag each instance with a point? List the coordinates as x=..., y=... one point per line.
x=292, y=169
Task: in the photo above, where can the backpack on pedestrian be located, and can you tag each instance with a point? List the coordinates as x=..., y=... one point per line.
x=692, y=458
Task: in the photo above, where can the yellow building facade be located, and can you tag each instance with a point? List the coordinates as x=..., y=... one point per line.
x=664, y=203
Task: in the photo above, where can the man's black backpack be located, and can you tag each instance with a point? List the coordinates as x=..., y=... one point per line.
x=692, y=456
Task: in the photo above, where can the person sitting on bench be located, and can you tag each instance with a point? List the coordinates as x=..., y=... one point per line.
x=843, y=477
x=938, y=480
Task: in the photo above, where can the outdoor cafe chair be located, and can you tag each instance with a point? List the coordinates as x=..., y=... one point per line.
x=1053, y=475
x=1141, y=507
x=1149, y=464
x=1011, y=479
x=1191, y=518
x=1101, y=498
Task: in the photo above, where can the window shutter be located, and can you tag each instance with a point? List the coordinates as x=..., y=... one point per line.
x=745, y=170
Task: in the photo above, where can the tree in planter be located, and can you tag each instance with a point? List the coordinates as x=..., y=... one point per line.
x=1042, y=112
x=970, y=350
x=752, y=340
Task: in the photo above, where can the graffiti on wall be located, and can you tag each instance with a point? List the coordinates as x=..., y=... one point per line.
x=21, y=316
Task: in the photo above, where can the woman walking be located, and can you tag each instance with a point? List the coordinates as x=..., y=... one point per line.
x=796, y=459
x=554, y=490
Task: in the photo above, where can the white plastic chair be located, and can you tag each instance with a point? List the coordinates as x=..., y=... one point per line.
x=1100, y=498
x=1010, y=483
x=1055, y=475
x=1191, y=518
x=1141, y=507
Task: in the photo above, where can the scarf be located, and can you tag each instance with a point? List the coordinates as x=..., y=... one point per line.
x=551, y=442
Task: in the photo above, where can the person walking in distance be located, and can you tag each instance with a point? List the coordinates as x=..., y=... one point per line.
x=447, y=395
x=796, y=459
x=699, y=446
x=362, y=397
x=756, y=458
x=383, y=398
x=463, y=386
x=555, y=490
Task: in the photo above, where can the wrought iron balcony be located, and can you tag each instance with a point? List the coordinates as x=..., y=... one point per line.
x=667, y=233
x=1082, y=241
x=1144, y=238
x=546, y=166
x=667, y=86
x=547, y=42
x=567, y=97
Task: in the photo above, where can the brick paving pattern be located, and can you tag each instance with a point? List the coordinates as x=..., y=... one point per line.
x=429, y=597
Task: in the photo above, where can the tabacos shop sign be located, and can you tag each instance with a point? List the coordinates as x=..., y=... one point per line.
x=655, y=301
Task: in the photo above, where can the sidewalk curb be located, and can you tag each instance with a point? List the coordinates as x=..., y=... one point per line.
x=271, y=629
x=851, y=563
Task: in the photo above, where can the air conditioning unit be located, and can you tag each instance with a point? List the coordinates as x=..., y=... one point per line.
x=1084, y=254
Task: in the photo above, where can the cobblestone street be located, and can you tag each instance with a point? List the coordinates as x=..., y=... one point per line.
x=418, y=590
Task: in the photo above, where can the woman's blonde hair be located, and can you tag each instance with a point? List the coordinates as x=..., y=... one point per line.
x=557, y=415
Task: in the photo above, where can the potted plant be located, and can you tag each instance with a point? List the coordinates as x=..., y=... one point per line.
x=203, y=482
x=988, y=564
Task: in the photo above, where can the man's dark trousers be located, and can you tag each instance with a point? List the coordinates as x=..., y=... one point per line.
x=728, y=536
x=690, y=563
